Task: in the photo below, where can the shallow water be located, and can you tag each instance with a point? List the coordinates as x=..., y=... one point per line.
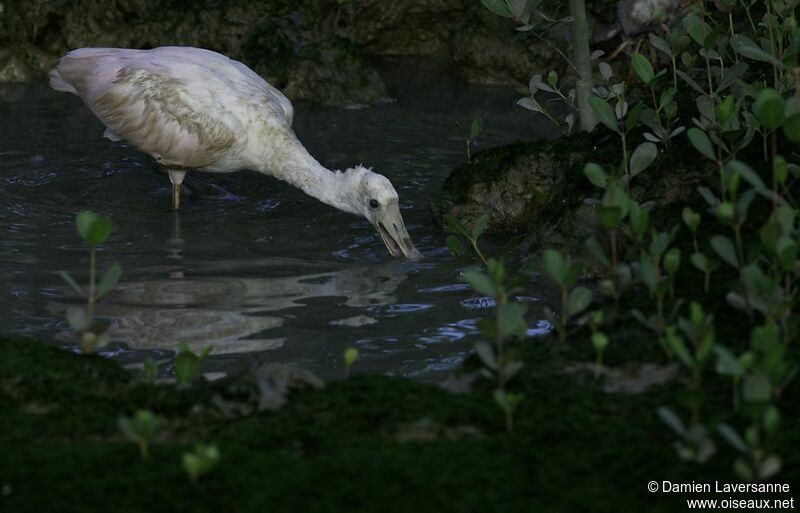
x=251, y=266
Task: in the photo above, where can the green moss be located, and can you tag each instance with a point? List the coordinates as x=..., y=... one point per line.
x=576, y=448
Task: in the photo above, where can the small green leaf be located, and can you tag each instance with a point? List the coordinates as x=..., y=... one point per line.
x=498, y=7
x=642, y=157
x=552, y=79
x=672, y=420
x=770, y=234
x=732, y=437
x=727, y=364
x=745, y=46
x=678, y=346
x=659, y=243
x=640, y=220
x=481, y=283
x=791, y=127
x=701, y=142
x=756, y=388
x=642, y=67
x=579, y=300
x=507, y=401
x=633, y=116
x=690, y=81
x=201, y=461
x=510, y=369
x=725, y=249
x=787, y=253
x=187, y=364
x=600, y=341
x=149, y=371
x=487, y=327
x=596, y=175
x=476, y=128
x=83, y=222
x=726, y=212
x=455, y=246
x=596, y=251
x=486, y=355
x=769, y=108
x=772, y=419
x=769, y=467
x=78, y=318
x=511, y=320
x=697, y=29
x=604, y=112
x=738, y=167
x=610, y=217
x=660, y=44
x=456, y=225
x=109, y=280
x=724, y=110
x=780, y=169
x=666, y=98
x=672, y=260
x=691, y=218
x=555, y=266
x=480, y=224
x=700, y=261
x=71, y=282
x=649, y=275
x=350, y=356
x=99, y=231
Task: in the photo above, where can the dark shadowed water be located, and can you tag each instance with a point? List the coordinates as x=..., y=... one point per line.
x=251, y=266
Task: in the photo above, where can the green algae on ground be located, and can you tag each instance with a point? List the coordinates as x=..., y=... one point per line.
x=338, y=449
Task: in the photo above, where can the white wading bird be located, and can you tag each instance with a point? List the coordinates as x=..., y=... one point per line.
x=197, y=110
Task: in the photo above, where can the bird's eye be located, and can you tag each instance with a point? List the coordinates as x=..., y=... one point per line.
x=373, y=203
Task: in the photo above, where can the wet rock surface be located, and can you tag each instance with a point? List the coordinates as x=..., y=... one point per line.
x=313, y=50
x=539, y=188
x=290, y=44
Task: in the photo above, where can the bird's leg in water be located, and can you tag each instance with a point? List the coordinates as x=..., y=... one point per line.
x=176, y=226
x=176, y=196
x=174, y=245
x=176, y=177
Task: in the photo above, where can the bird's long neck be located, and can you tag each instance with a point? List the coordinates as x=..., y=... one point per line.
x=282, y=156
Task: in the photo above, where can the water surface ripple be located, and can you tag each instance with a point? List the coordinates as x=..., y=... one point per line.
x=251, y=265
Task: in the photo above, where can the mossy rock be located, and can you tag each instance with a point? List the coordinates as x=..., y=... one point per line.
x=292, y=44
x=519, y=184
x=320, y=43
x=489, y=50
x=539, y=187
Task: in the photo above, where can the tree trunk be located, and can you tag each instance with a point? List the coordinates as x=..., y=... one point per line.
x=581, y=57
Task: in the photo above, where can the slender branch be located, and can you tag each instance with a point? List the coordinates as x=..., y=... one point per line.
x=582, y=57
x=557, y=50
x=92, y=266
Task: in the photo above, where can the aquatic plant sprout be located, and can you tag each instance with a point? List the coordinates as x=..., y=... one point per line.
x=92, y=334
x=508, y=322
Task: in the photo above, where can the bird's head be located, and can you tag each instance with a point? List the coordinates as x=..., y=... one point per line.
x=374, y=197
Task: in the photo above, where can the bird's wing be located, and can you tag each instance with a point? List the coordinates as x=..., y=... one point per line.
x=153, y=112
x=174, y=119
x=186, y=60
x=270, y=92
x=234, y=71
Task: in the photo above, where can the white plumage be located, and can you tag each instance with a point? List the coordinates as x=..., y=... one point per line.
x=194, y=109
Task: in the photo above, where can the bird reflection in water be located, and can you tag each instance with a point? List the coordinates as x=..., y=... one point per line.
x=206, y=306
